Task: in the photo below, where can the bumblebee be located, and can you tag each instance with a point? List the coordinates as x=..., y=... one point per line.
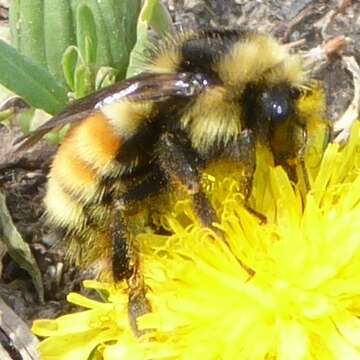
x=202, y=97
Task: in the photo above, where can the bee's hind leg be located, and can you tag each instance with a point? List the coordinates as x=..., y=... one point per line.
x=125, y=266
x=125, y=261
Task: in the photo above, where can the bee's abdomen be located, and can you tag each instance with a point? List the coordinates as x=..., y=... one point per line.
x=75, y=183
x=87, y=172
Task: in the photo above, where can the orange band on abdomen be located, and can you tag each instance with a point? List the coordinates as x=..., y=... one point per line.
x=95, y=141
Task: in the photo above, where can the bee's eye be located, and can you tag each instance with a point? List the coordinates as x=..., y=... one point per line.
x=276, y=104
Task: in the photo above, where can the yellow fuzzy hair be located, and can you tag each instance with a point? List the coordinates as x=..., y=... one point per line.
x=260, y=58
x=254, y=58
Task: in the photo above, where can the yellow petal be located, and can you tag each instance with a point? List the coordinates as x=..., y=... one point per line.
x=293, y=341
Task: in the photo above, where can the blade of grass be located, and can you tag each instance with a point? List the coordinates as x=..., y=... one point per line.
x=28, y=80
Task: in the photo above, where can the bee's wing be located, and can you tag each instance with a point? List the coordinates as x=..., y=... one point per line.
x=144, y=87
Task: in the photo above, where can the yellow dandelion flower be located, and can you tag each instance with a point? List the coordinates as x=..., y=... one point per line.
x=285, y=289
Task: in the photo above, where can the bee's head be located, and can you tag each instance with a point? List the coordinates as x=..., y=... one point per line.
x=268, y=107
x=253, y=82
x=276, y=103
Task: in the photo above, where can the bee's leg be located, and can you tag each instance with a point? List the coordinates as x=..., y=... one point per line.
x=301, y=156
x=181, y=164
x=125, y=262
x=244, y=152
x=305, y=172
x=152, y=184
x=125, y=266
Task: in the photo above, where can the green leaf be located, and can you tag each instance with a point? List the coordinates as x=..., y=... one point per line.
x=39, y=118
x=59, y=34
x=31, y=30
x=106, y=76
x=86, y=34
x=56, y=137
x=25, y=120
x=157, y=16
x=152, y=15
x=14, y=21
x=30, y=81
x=18, y=249
x=103, y=54
x=113, y=13
x=69, y=61
x=6, y=114
x=84, y=81
x=130, y=18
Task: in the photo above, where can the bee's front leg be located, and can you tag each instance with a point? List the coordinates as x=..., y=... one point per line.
x=243, y=151
x=181, y=163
